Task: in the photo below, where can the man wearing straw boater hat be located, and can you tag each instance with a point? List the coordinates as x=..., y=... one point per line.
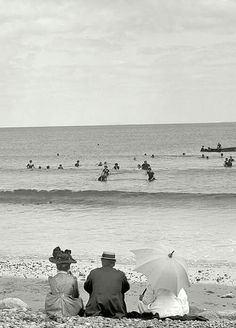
x=106, y=287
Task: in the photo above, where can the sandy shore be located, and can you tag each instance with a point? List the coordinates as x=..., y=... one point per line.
x=212, y=294
x=202, y=296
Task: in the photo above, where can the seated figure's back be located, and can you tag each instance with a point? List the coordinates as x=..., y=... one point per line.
x=63, y=298
x=63, y=283
x=104, y=276
x=106, y=287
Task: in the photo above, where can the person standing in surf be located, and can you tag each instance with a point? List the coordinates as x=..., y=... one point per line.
x=150, y=174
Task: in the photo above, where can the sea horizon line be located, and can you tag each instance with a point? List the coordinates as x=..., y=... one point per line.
x=106, y=125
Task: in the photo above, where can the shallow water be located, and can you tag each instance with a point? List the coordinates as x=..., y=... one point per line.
x=190, y=207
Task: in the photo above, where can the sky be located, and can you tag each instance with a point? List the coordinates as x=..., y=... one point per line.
x=98, y=62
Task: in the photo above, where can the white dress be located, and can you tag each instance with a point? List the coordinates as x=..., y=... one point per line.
x=164, y=302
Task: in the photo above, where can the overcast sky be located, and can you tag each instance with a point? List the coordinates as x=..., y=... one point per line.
x=89, y=62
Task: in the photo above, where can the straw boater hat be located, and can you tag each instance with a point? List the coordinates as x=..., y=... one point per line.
x=58, y=256
x=108, y=256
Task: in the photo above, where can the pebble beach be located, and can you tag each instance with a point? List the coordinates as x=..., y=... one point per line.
x=29, y=319
x=212, y=295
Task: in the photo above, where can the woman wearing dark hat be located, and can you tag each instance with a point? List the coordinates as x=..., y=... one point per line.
x=64, y=296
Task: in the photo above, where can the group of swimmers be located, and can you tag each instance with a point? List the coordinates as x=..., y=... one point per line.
x=105, y=172
x=228, y=162
x=31, y=165
x=145, y=166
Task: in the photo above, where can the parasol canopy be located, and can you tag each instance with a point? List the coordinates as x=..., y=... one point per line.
x=162, y=271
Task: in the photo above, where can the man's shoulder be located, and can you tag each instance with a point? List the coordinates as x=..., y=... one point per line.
x=104, y=271
x=121, y=273
x=95, y=270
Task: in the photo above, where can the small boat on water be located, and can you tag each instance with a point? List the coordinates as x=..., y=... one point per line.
x=218, y=150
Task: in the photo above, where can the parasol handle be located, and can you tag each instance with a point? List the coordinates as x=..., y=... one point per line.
x=171, y=254
x=144, y=291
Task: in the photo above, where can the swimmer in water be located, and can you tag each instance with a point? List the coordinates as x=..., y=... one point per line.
x=30, y=165
x=116, y=166
x=105, y=170
x=77, y=163
x=104, y=174
x=150, y=174
x=145, y=165
x=103, y=177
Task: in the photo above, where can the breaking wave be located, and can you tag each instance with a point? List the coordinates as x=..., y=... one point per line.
x=95, y=197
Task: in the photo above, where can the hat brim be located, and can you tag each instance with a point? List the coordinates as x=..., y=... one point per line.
x=108, y=258
x=56, y=261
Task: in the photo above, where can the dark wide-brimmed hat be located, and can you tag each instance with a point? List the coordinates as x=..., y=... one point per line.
x=58, y=256
x=108, y=256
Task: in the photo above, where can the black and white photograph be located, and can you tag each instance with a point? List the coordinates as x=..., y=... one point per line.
x=118, y=163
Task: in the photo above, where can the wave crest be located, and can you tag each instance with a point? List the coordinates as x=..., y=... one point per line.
x=95, y=197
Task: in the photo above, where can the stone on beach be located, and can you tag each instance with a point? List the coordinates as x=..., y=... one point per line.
x=13, y=303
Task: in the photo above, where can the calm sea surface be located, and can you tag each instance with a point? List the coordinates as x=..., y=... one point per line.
x=190, y=207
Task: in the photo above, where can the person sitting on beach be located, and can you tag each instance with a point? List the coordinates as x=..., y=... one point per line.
x=164, y=302
x=60, y=167
x=30, y=165
x=100, y=164
x=106, y=287
x=63, y=299
x=231, y=159
x=77, y=163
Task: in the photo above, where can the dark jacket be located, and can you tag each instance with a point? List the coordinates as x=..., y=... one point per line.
x=106, y=287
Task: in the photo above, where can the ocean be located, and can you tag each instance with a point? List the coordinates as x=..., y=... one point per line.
x=190, y=207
